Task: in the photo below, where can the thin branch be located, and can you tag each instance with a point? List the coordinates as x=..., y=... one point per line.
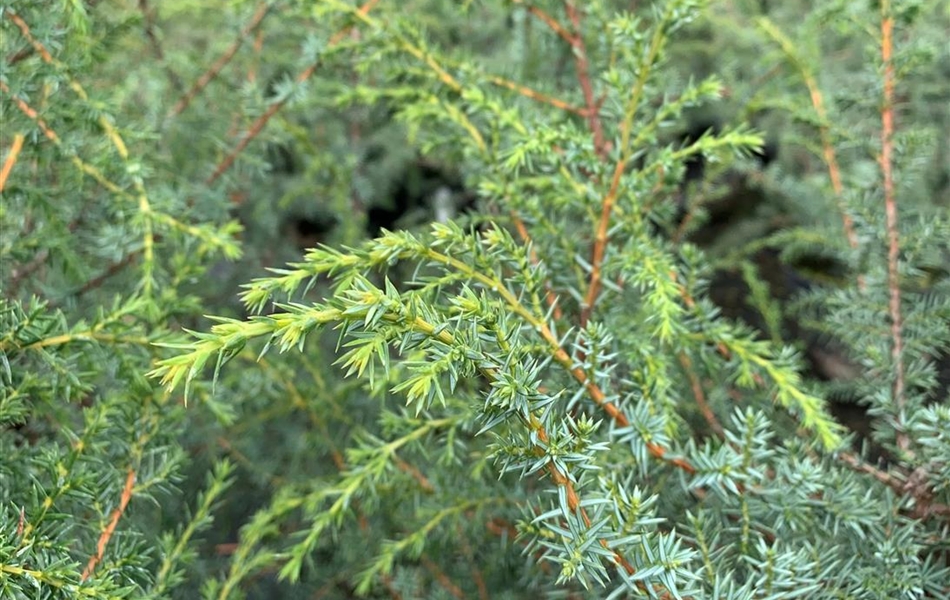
x=90, y=335
x=549, y=295
x=860, y=466
x=607, y=205
x=148, y=21
x=27, y=110
x=258, y=47
x=106, y=534
x=416, y=474
x=222, y=61
x=915, y=485
x=21, y=272
x=824, y=129
x=273, y=109
x=355, y=132
x=38, y=260
x=443, y=579
x=25, y=30
x=538, y=96
x=548, y=20
x=477, y=576
x=20, y=55
x=582, y=66
x=112, y=269
x=700, y=396
x=890, y=208
x=15, y=148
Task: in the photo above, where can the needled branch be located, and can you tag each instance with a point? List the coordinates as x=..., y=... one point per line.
x=560, y=355
x=917, y=485
x=890, y=209
x=258, y=126
x=582, y=66
x=51, y=135
x=30, y=112
x=607, y=204
x=222, y=61
x=148, y=19
x=25, y=30
x=828, y=152
x=141, y=196
x=536, y=95
x=561, y=479
x=109, y=529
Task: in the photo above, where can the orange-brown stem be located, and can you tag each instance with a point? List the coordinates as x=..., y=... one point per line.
x=890, y=209
x=109, y=530
x=15, y=148
x=548, y=20
x=600, y=245
x=700, y=396
x=32, y=114
x=25, y=30
x=537, y=96
x=582, y=66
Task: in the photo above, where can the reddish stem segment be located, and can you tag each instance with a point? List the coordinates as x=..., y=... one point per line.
x=582, y=66
x=222, y=61
x=106, y=534
x=890, y=208
x=11, y=159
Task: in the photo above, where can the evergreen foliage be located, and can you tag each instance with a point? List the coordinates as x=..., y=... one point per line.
x=545, y=395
